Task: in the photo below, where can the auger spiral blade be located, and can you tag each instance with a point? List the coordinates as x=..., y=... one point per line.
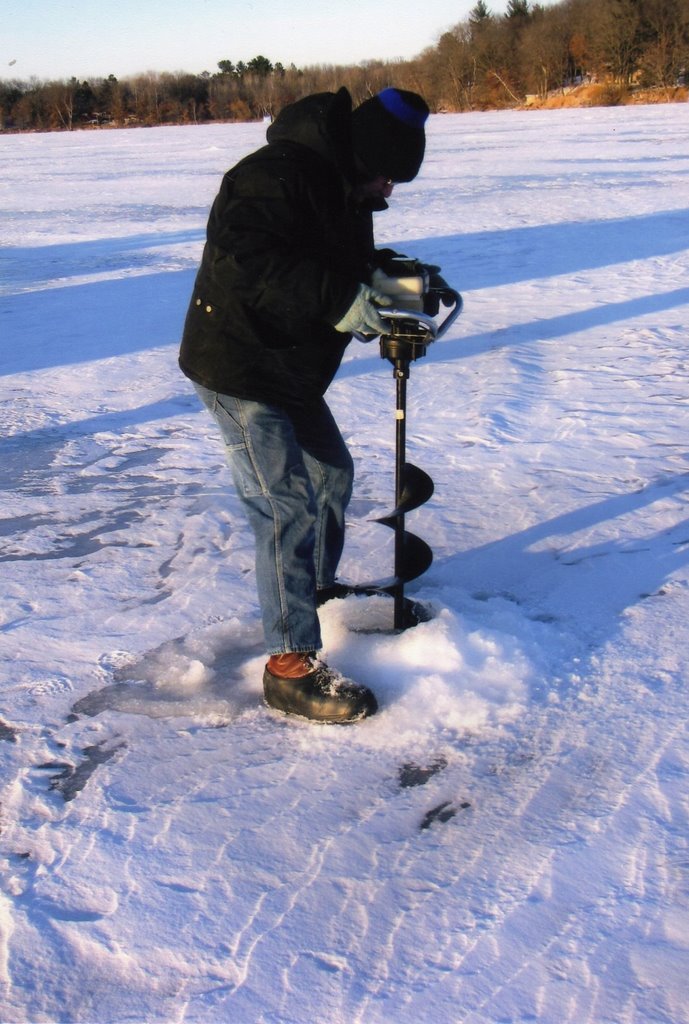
x=416, y=558
x=417, y=488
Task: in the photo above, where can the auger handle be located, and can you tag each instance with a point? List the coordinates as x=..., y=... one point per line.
x=453, y=314
x=426, y=324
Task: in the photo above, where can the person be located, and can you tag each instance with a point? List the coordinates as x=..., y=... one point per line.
x=284, y=282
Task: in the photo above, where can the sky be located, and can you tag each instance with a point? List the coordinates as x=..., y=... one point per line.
x=55, y=39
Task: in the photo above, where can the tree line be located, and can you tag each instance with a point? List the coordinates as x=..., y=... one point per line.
x=487, y=61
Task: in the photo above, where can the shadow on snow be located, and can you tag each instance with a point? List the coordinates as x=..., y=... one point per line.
x=105, y=319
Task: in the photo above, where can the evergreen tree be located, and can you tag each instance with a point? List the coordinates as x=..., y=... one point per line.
x=260, y=66
x=479, y=14
x=517, y=9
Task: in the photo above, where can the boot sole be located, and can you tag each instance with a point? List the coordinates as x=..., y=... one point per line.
x=342, y=720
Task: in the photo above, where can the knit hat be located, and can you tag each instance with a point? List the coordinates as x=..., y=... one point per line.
x=388, y=134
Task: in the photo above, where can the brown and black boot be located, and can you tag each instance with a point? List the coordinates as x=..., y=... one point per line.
x=299, y=684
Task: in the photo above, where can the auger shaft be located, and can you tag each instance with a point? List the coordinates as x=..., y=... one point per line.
x=401, y=377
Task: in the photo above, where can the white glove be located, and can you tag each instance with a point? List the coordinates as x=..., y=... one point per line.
x=363, y=317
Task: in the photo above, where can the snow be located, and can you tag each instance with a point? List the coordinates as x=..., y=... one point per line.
x=508, y=839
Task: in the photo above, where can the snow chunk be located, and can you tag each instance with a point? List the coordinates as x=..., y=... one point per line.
x=438, y=674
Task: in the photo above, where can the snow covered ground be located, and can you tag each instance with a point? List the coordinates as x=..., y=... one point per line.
x=508, y=840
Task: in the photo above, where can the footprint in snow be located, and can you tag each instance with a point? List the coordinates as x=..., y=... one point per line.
x=411, y=774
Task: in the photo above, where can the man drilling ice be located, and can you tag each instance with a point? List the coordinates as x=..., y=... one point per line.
x=289, y=273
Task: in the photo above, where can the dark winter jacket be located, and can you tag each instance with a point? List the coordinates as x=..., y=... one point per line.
x=286, y=249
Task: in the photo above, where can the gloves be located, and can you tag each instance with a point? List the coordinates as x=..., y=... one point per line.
x=391, y=262
x=438, y=290
x=363, y=317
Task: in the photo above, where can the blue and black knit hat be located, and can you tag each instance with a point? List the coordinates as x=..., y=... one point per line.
x=388, y=134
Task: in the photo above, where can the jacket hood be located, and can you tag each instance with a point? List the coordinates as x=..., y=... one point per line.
x=323, y=123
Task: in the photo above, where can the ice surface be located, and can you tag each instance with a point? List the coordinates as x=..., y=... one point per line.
x=507, y=840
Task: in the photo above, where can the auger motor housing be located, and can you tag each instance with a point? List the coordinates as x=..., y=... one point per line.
x=415, y=289
x=409, y=336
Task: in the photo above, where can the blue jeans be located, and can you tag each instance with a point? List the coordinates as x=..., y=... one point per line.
x=293, y=473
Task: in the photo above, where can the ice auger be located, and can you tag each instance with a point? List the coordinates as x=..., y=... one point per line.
x=410, y=333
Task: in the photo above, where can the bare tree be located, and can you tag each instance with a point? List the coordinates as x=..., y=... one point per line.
x=618, y=39
x=545, y=50
x=665, y=52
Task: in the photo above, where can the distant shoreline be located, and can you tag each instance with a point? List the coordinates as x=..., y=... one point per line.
x=578, y=97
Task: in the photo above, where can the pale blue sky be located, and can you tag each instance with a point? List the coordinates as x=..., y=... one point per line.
x=94, y=38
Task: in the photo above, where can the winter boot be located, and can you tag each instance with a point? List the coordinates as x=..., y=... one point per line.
x=298, y=684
